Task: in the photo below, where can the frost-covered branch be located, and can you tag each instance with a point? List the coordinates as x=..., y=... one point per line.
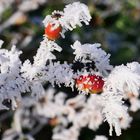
x=115, y=84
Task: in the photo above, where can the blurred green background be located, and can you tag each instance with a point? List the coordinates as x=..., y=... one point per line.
x=115, y=24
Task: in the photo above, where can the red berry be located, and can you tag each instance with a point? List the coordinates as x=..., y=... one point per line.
x=51, y=33
x=90, y=83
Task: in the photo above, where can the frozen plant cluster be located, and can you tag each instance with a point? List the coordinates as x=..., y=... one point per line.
x=18, y=79
x=58, y=112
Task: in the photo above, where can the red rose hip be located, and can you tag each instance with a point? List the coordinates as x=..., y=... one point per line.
x=52, y=33
x=90, y=83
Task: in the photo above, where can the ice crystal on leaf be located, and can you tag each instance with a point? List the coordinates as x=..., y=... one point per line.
x=124, y=79
x=92, y=52
x=74, y=14
x=114, y=112
x=134, y=67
